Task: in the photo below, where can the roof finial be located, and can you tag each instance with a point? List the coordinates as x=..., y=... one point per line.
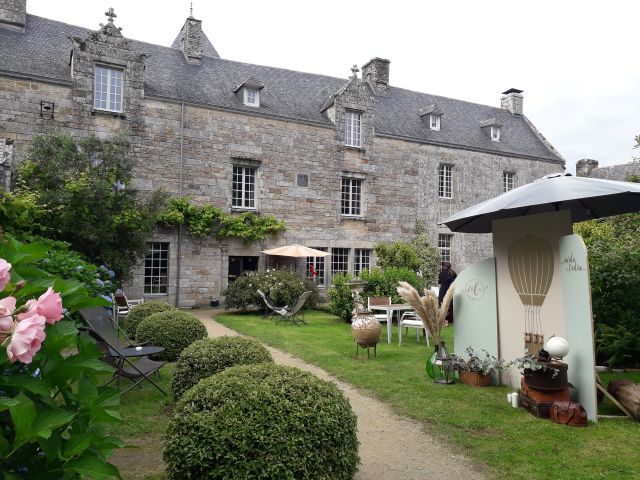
x=354, y=71
x=111, y=14
x=191, y=10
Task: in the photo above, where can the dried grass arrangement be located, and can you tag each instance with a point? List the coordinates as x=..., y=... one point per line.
x=427, y=308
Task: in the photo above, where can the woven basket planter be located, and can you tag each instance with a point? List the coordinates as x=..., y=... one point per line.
x=474, y=378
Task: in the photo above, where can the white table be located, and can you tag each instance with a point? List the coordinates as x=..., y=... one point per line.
x=394, y=307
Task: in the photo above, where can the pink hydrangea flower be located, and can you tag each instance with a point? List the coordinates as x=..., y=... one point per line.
x=50, y=306
x=27, y=339
x=4, y=273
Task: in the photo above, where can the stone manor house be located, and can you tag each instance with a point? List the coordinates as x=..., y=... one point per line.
x=346, y=163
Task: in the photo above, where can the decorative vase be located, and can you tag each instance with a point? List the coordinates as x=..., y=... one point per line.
x=476, y=379
x=365, y=329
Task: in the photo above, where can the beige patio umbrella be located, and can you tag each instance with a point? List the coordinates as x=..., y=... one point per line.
x=296, y=251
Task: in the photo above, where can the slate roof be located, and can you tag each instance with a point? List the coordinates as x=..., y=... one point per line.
x=43, y=52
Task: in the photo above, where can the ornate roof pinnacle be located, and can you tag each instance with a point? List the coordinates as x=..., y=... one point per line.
x=111, y=14
x=354, y=71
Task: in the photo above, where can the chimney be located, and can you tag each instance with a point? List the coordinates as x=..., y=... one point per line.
x=13, y=14
x=585, y=166
x=512, y=100
x=191, y=40
x=376, y=72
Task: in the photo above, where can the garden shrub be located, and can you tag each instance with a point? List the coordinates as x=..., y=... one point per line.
x=262, y=421
x=209, y=356
x=172, y=329
x=384, y=283
x=141, y=312
x=418, y=254
x=340, y=300
x=281, y=286
x=613, y=245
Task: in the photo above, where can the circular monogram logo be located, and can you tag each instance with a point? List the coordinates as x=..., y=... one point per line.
x=475, y=289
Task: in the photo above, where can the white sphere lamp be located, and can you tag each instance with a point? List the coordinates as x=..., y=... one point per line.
x=557, y=347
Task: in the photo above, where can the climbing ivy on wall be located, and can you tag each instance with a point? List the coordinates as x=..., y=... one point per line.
x=207, y=220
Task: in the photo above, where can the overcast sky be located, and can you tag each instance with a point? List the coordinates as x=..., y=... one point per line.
x=577, y=61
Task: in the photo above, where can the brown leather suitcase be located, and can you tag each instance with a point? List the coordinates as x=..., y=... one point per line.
x=539, y=409
x=568, y=413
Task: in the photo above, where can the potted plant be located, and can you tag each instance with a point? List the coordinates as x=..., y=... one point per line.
x=476, y=370
x=540, y=373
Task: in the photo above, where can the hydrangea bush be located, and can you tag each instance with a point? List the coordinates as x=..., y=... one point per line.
x=53, y=409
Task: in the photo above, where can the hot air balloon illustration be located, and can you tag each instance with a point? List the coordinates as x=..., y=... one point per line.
x=531, y=269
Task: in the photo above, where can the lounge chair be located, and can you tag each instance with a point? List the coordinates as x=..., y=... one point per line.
x=271, y=308
x=129, y=360
x=293, y=314
x=122, y=305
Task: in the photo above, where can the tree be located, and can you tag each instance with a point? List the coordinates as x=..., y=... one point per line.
x=613, y=245
x=419, y=254
x=85, y=197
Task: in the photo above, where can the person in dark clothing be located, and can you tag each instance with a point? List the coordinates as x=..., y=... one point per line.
x=445, y=279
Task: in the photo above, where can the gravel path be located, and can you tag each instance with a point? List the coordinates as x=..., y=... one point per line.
x=391, y=447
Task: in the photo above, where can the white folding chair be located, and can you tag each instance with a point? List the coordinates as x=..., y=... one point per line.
x=408, y=320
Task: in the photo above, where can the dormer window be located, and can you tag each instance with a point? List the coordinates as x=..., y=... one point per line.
x=107, y=93
x=434, y=122
x=248, y=92
x=492, y=128
x=432, y=115
x=495, y=133
x=251, y=97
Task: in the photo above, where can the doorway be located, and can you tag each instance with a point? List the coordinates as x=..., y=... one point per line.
x=238, y=264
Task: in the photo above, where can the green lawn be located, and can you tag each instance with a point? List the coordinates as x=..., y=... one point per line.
x=477, y=421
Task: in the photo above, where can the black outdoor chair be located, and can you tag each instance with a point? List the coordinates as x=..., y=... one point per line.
x=271, y=307
x=295, y=313
x=130, y=361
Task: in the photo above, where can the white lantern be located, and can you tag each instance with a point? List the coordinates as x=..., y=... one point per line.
x=557, y=347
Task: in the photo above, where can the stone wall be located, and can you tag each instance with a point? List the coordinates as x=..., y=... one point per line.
x=6, y=163
x=400, y=177
x=621, y=172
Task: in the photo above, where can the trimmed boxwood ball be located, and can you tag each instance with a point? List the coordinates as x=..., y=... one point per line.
x=173, y=329
x=209, y=356
x=142, y=311
x=262, y=421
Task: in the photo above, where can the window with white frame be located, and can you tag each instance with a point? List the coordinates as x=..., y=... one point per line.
x=339, y=260
x=352, y=123
x=107, y=93
x=434, y=122
x=315, y=268
x=156, y=268
x=444, y=246
x=508, y=181
x=495, y=133
x=251, y=97
x=361, y=260
x=445, y=184
x=243, y=194
x=351, y=196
